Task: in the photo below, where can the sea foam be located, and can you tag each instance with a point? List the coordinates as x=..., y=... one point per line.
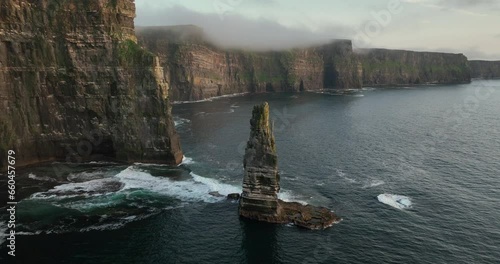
x=37, y=178
x=396, y=201
x=193, y=190
x=3, y=232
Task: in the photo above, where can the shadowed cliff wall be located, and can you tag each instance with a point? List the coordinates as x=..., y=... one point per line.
x=74, y=84
x=485, y=69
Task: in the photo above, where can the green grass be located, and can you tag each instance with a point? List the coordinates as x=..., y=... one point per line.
x=130, y=52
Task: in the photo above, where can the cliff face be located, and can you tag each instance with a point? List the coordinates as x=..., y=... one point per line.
x=261, y=182
x=198, y=70
x=75, y=84
x=399, y=67
x=485, y=69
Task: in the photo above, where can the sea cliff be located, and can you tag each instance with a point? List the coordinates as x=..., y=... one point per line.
x=383, y=67
x=197, y=69
x=485, y=69
x=74, y=84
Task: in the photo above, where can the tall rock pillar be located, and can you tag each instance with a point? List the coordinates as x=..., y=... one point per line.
x=259, y=199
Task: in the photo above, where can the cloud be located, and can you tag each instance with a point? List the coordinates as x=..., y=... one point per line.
x=465, y=7
x=237, y=31
x=263, y=33
x=467, y=3
x=472, y=53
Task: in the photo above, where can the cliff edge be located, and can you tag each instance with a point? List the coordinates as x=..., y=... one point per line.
x=485, y=69
x=383, y=67
x=75, y=85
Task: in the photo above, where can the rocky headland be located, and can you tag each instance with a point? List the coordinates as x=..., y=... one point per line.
x=485, y=69
x=261, y=182
x=196, y=69
x=74, y=84
x=383, y=67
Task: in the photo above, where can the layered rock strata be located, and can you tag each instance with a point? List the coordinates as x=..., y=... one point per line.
x=383, y=67
x=74, y=84
x=485, y=69
x=197, y=69
x=261, y=182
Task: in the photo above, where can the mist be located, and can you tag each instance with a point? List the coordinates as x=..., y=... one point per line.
x=233, y=31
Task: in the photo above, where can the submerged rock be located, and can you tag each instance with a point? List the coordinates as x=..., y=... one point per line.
x=233, y=196
x=216, y=194
x=259, y=200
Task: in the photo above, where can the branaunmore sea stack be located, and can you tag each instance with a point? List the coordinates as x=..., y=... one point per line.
x=261, y=183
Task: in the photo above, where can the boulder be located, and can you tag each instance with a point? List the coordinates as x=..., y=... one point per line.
x=233, y=196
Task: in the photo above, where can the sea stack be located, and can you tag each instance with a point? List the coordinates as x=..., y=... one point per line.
x=261, y=182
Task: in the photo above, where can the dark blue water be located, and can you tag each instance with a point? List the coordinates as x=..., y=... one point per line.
x=438, y=146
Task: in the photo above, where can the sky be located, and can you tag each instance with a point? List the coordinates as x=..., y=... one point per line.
x=471, y=27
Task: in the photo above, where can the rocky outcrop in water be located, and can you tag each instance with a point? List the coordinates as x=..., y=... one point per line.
x=261, y=182
x=382, y=67
x=485, y=69
x=74, y=84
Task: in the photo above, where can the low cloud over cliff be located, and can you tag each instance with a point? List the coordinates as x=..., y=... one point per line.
x=231, y=30
x=460, y=26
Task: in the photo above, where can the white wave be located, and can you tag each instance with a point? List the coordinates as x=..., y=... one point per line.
x=235, y=105
x=215, y=185
x=196, y=189
x=187, y=161
x=37, y=178
x=29, y=233
x=85, y=176
x=151, y=164
x=210, y=99
x=288, y=196
x=3, y=232
x=396, y=201
x=179, y=121
x=343, y=175
x=78, y=189
x=87, y=205
x=103, y=163
x=373, y=183
x=115, y=225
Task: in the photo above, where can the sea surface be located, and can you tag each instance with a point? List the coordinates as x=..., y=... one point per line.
x=413, y=171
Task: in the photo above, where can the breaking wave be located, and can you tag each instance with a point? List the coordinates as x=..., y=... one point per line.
x=179, y=121
x=45, y=179
x=373, y=183
x=3, y=232
x=193, y=190
x=187, y=161
x=210, y=99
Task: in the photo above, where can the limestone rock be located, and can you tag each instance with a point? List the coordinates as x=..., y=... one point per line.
x=261, y=179
x=261, y=182
x=485, y=69
x=383, y=67
x=233, y=196
x=75, y=85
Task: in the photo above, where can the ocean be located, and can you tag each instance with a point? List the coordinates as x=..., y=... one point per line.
x=414, y=172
